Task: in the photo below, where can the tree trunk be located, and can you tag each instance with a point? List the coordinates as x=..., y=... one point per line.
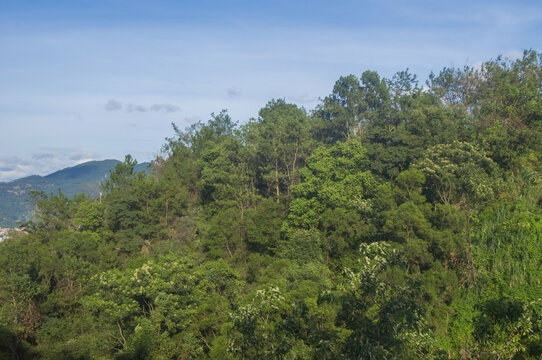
x=277, y=181
x=277, y=174
x=166, y=211
x=470, y=260
x=292, y=180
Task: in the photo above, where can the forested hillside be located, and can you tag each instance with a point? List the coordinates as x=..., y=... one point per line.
x=82, y=178
x=397, y=220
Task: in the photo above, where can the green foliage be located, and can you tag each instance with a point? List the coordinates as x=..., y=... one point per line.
x=353, y=106
x=13, y=348
x=280, y=138
x=508, y=328
x=459, y=174
x=120, y=176
x=333, y=196
x=378, y=315
x=264, y=225
x=89, y=216
x=302, y=246
x=393, y=222
x=254, y=333
x=335, y=177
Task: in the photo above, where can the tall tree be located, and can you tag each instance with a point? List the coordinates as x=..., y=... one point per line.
x=280, y=137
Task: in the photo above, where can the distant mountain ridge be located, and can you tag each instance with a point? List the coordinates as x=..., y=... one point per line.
x=82, y=178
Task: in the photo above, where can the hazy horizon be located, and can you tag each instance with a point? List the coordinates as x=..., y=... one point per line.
x=70, y=166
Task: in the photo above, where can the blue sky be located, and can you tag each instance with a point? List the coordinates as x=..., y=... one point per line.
x=85, y=80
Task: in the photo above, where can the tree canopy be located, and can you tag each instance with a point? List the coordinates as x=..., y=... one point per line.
x=393, y=221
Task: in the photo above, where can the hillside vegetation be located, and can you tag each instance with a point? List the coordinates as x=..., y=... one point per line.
x=394, y=221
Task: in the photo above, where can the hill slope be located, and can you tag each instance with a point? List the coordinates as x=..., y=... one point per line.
x=82, y=178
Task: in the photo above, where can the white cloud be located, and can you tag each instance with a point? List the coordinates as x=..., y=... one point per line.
x=168, y=108
x=136, y=108
x=43, y=162
x=164, y=108
x=113, y=105
x=233, y=92
x=304, y=99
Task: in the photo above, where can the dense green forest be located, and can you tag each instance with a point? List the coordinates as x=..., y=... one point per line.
x=396, y=220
